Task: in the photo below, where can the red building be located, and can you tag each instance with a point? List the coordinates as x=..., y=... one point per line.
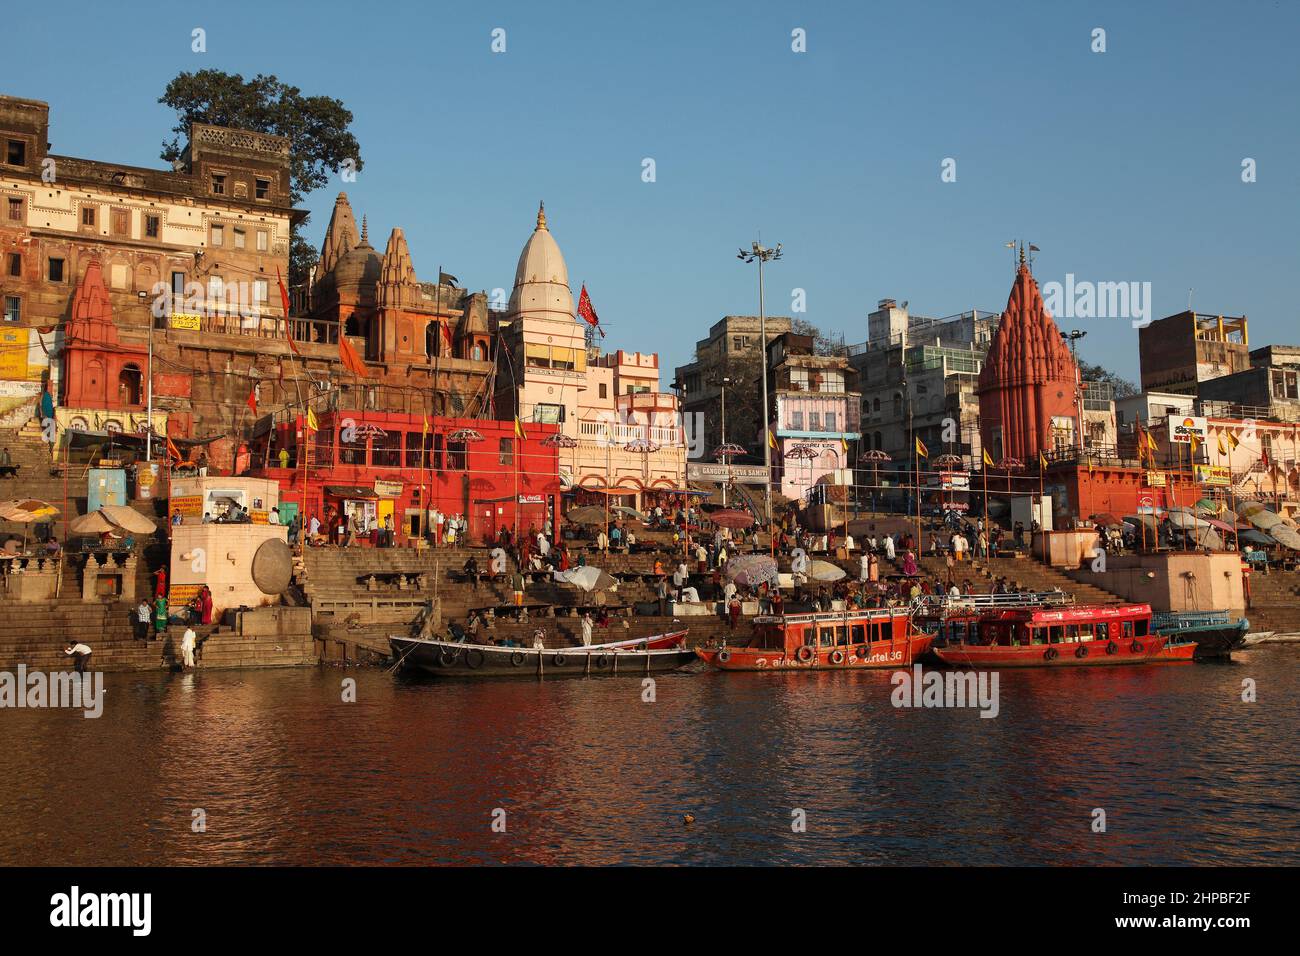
x=1028, y=387
x=378, y=464
x=101, y=371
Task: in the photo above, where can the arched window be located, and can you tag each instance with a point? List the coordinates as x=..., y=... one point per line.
x=129, y=385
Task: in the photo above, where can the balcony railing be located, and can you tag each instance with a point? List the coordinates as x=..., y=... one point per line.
x=602, y=432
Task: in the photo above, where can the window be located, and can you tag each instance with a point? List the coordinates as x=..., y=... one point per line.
x=218, y=184
x=262, y=188
x=151, y=227
x=261, y=240
x=604, y=391
x=261, y=290
x=87, y=215
x=548, y=414
x=796, y=421
x=814, y=422
x=830, y=421
x=13, y=308
x=218, y=235
x=15, y=264
x=216, y=287
x=15, y=209
x=239, y=237
x=505, y=451
x=16, y=152
x=178, y=283
x=56, y=270
x=121, y=219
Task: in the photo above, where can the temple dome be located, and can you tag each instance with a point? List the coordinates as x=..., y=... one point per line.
x=541, y=280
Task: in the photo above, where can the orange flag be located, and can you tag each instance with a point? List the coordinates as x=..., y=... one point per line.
x=252, y=399
x=348, y=356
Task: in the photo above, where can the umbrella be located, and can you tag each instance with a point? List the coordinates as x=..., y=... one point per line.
x=588, y=578
x=588, y=514
x=27, y=510
x=1286, y=536
x=730, y=518
x=1261, y=517
x=1181, y=519
x=1255, y=537
x=1221, y=525
x=128, y=519
x=825, y=571
x=93, y=523
x=1106, y=518
x=630, y=512
x=1208, y=506
x=751, y=570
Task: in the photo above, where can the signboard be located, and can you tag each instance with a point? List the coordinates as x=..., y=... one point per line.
x=532, y=499
x=13, y=354
x=260, y=517
x=388, y=489
x=710, y=471
x=1213, y=475
x=190, y=506
x=950, y=481
x=186, y=321
x=1156, y=479
x=1183, y=428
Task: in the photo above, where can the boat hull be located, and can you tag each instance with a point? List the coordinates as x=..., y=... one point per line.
x=1142, y=650
x=862, y=657
x=445, y=659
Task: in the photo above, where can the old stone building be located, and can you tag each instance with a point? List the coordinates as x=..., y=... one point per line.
x=187, y=256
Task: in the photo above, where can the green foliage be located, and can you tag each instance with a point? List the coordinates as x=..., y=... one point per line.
x=320, y=141
x=1096, y=373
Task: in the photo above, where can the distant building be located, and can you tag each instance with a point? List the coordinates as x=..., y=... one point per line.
x=732, y=349
x=1179, y=352
x=812, y=411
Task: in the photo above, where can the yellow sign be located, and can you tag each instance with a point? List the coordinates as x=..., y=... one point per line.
x=388, y=489
x=1213, y=475
x=179, y=595
x=260, y=517
x=1156, y=479
x=190, y=506
x=190, y=322
x=13, y=354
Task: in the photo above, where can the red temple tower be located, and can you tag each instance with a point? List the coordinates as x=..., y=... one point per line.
x=100, y=371
x=1028, y=385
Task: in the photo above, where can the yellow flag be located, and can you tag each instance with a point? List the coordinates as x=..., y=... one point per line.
x=1042, y=461
x=921, y=449
x=1223, y=450
x=988, y=459
x=1233, y=441
x=424, y=429
x=1151, y=442
x=1195, y=444
x=311, y=420
x=771, y=438
x=519, y=428
x=844, y=443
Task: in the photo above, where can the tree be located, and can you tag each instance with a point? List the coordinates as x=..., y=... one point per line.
x=1096, y=373
x=823, y=344
x=316, y=127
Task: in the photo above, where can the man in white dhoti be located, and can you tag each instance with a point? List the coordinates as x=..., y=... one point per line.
x=188, y=642
x=586, y=630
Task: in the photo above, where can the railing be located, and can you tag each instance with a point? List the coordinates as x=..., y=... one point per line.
x=602, y=432
x=1277, y=412
x=934, y=602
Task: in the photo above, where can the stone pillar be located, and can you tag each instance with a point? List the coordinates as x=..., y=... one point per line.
x=89, y=575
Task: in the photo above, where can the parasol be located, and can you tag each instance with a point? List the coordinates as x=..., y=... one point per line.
x=629, y=512
x=27, y=510
x=112, y=518
x=1106, y=518
x=730, y=518
x=825, y=571
x=587, y=514
x=1255, y=537
x=751, y=570
x=587, y=578
x=1286, y=536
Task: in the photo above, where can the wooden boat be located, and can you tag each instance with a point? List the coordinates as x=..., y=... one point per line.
x=834, y=640
x=1077, y=635
x=1215, y=633
x=663, y=652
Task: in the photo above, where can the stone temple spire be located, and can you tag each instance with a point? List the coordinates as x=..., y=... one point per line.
x=340, y=237
x=398, y=284
x=1028, y=383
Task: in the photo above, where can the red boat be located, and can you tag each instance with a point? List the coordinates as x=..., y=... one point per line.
x=1076, y=635
x=843, y=640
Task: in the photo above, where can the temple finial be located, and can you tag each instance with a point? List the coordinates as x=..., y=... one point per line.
x=541, y=215
x=366, y=238
x=1022, y=249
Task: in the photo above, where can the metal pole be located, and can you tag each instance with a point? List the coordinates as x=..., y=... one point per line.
x=727, y=480
x=767, y=445
x=148, y=435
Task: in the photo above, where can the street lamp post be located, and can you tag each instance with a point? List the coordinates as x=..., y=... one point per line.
x=723, y=384
x=760, y=254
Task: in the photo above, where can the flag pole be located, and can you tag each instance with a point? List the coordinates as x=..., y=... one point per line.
x=916, y=452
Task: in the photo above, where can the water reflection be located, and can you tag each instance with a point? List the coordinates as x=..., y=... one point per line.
x=588, y=773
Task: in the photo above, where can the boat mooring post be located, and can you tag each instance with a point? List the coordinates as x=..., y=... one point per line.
x=539, y=661
x=587, y=672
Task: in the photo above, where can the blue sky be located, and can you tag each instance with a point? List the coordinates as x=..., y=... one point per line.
x=1121, y=166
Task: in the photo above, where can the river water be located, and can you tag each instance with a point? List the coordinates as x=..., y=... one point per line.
x=587, y=772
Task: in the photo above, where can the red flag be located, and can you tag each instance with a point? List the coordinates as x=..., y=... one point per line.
x=252, y=399
x=284, y=301
x=348, y=356
x=446, y=334
x=586, y=311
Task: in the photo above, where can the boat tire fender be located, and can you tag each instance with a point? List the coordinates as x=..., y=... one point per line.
x=804, y=654
x=1112, y=648
x=837, y=656
x=724, y=656
x=447, y=658
x=1081, y=651
x=558, y=660
x=517, y=659
x=1049, y=654
x=1136, y=647
x=603, y=661
x=474, y=658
